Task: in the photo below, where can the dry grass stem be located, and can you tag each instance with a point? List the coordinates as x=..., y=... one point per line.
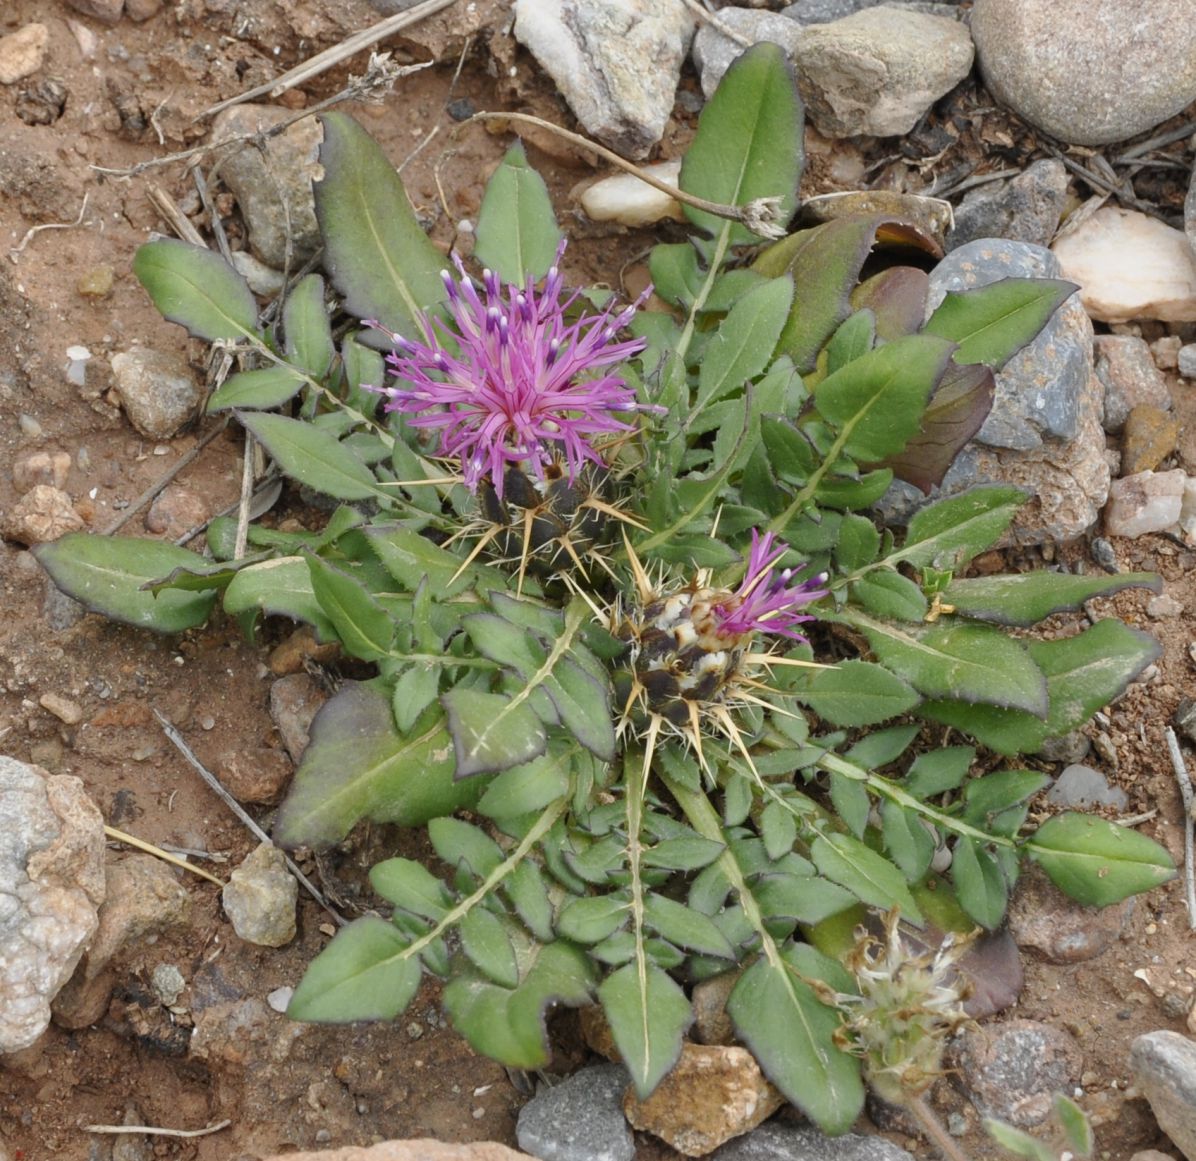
x=154, y=1131
x=131, y=840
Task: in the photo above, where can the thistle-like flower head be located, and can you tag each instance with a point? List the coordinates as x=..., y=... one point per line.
x=512, y=381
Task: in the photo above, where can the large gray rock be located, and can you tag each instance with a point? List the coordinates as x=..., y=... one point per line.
x=713, y=52
x=272, y=185
x=51, y=887
x=876, y=72
x=580, y=1119
x=777, y=1142
x=1088, y=71
x=1025, y=209
x=1164, y=1067
x=616, y=62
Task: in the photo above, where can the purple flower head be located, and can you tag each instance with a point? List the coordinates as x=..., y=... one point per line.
x=766, y=600
x=516, y=382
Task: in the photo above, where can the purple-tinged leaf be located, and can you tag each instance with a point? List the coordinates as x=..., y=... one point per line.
x=897, y=297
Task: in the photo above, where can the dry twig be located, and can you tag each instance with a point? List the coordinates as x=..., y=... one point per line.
x=153, y=1131
x=29, y=234
x=718, y=25
x=131, y=840
x=1188, y=800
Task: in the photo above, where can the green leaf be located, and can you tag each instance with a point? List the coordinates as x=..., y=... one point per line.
x=1034, y=596
x=897, y=299
x=374, y=251
x=792, y=1036
x=992, y=323
x=194, y=287
x=417, y=687
x=282, y=587
x=1096, y=862
x=857, y=693
x=937, y=771
x=979, y=883
x=965, y=662
x=593, y=918
x=313, y=457
x=881, y=747
x=778, y=829
x=648, y=1014
x=909, y=843
x=528, y=893
x=1017, y=1142
x=363, y=626
x=867, y=875
x=457, y=842
x=307, y=329
x=851, y=802
x=485, y=942
x=685, y=927
x=491, y=731
x=411, y=887
x=261, y=390
x=1076, y=1126
x=790, y=453
x=877, y=401
x=528, y=787
x=749, y=141
x=688, y=853
x=358, y=765
x=107, y=575
x=854, y=339
x=411, y=558
x=361, y=975
x=517, y=234
x=508, y=1024
x=744, y=342
x=947, y=534
x=859, y=542
x=986, y=799
x=889, y=594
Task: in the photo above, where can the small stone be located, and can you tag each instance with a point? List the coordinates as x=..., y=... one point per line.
x=257, y=777
x=1164, y=1067
x=1012, y=1071
x=1131, y=377
x=175, y=511
x=168, y=983
x=1186, y=361
x=580, y=1119
x=280, y=998
x=260, y=898
x=140, y=10
x=157, y=391
x=1165, y=352
x=41, y=467
x=132, y=1146
x=1149, y=438
x=712, y=1025
x=776, y=1141
x=291, y=655
x=1059, y=929
x=22, y=52
x=616, y=62
x=143, y=898
x=294, y=702
x=1081, y=786
x=713, y=1093
x=30, y=427
x=1151, y=1155
x=43, y=514
x=1163, y=606
x=1130, y=266
x=96, y=282
x=1146, y=502
x=629, y=201
x=713, y=52
x=1070, y=747
x=62, y=708
x=1026, y=209
x=415, y=1149
x=1087, y=72
x=1187, y=509
x=83, y=1002
x=878, y=71
x=1185, y=718
x=106, y=11
x=264, y=281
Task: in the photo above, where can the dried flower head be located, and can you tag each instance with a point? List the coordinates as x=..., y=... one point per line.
x=512, y=381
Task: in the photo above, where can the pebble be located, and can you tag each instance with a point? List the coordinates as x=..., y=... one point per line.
x=423, y=1149
x=96, y=282
x=41, y=515
x=631, y=202
x=156, y=389
x=580, y=1119
x=264, y=281
x=1082, y=786
x=290, y=656
x=713, y=52
x=785, y=1142
x=1012, y=1071
x=1130, y=266
x=106, y=11
x=280, y=998
x=1130, y=375
x=30, y=427
x=273, y=185
x=712, y=1025
x=175, y=511
x=1088, y=72
x=168, y=983
x=1187, y=509
x=22, y=52
x=41, y=467
x=1186, y=361
x=1164, y=1067
x=294, y=702
x=62, y=708
x=260, y=898
x=1070, y=747
x=713, y=1093
x=878, y=71
x=1060, y=930
x=1185, y=718
x=617, y=64
x=1025, y=209
x=1145, y=502
x=257, y=777
x=1150, y=437
x=1163, y=606
x=140, y=10
x=52, y=868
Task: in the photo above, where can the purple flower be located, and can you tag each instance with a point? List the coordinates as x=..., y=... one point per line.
x=512, y=381
x=766, y=600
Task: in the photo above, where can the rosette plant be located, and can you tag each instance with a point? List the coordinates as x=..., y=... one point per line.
x=630, y=641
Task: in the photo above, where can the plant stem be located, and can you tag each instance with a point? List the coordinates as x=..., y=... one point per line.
x=933, y=1128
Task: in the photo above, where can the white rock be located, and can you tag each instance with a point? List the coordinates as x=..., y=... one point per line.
x=624, y=198
x=22, y=52
x=713, y=52
x=263, y=280
x=1144, y=502
x=1130, y=266
x=616, y=62
x=51, y=887
x=1187, y=509
x=280, y=998
x=1186, y=361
